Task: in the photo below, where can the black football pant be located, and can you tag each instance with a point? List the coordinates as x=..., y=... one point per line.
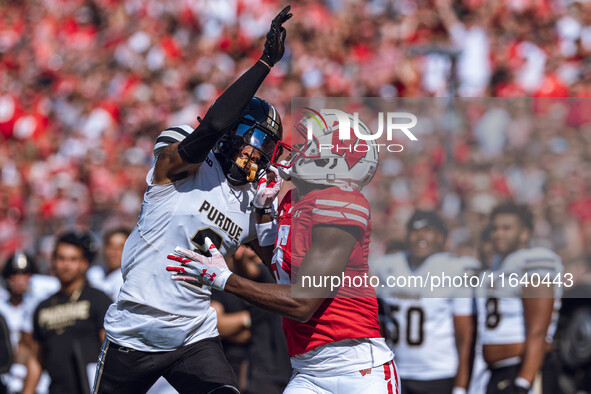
x=438, y=386
x=197, y=368
x=502, y=378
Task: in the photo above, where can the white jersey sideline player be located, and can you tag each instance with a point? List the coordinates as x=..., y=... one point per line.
x=430, y=332
x=517, y=314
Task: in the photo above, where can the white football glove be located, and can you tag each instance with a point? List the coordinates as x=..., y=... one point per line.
x=267, y=190
x=210, y=271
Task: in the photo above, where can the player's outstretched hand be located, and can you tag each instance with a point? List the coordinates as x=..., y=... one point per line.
x=267, y=190
x=194, y=267
x=275, y=43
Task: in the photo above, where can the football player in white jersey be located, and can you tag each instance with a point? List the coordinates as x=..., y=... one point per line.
x=201, y=187
x=17, y=272
x=332, y=334
x=431, y=337
x=516, y=322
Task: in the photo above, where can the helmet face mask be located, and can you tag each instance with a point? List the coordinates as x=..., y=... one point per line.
x=324, y=159
x=256, y=137
x=245, y=153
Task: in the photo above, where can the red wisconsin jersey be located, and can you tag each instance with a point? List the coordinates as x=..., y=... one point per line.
x=280, y=264
x=353, y=312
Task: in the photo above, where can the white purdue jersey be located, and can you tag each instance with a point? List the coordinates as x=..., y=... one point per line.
x=153, y=312
x=500, y=308
x=420, y=329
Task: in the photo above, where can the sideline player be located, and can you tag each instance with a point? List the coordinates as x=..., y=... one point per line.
x=432, y=334
x=18, y=271
x=68, y=326
x=202, y=186
x=333, y=336
x=517, y=323
x=6, y=355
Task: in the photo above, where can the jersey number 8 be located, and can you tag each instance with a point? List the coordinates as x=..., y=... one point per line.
x=493, y=317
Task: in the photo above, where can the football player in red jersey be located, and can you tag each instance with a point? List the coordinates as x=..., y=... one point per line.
x=323, y=234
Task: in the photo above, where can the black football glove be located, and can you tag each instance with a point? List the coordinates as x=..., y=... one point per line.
x=274, y=46
x=518, y=389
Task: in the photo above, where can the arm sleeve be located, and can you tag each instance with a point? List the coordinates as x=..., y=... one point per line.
x=222, y=115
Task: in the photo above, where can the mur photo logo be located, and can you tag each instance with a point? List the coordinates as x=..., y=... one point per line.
x=353, y=134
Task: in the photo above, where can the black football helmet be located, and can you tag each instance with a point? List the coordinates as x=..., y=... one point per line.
x=19, y=263
x=245, y=152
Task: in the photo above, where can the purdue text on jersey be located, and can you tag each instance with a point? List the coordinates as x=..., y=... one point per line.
x=221, y=220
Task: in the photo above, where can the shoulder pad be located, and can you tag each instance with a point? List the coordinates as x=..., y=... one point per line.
x=335, y=206
x=170, y=136
x=539, y=258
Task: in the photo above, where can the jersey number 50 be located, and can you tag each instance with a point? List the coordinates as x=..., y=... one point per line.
x=415, y=322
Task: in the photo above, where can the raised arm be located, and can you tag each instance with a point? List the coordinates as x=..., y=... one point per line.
x=180, y=159
x=447, y=14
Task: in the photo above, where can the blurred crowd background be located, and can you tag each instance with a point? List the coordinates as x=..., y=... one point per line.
x=475, y=153
x=87, y=85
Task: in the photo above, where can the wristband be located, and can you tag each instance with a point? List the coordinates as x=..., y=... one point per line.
x=247, y=320
x=219, y=283
x=264, y=210
x=458, y=390
x=266, y=232
x=522, y=383
x=264, y=62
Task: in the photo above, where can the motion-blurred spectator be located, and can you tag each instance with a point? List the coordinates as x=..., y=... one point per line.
x=108, y=277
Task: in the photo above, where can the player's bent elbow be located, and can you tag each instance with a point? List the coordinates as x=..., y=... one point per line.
x=303, y=313
x=537, y=333
x=301, y=318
